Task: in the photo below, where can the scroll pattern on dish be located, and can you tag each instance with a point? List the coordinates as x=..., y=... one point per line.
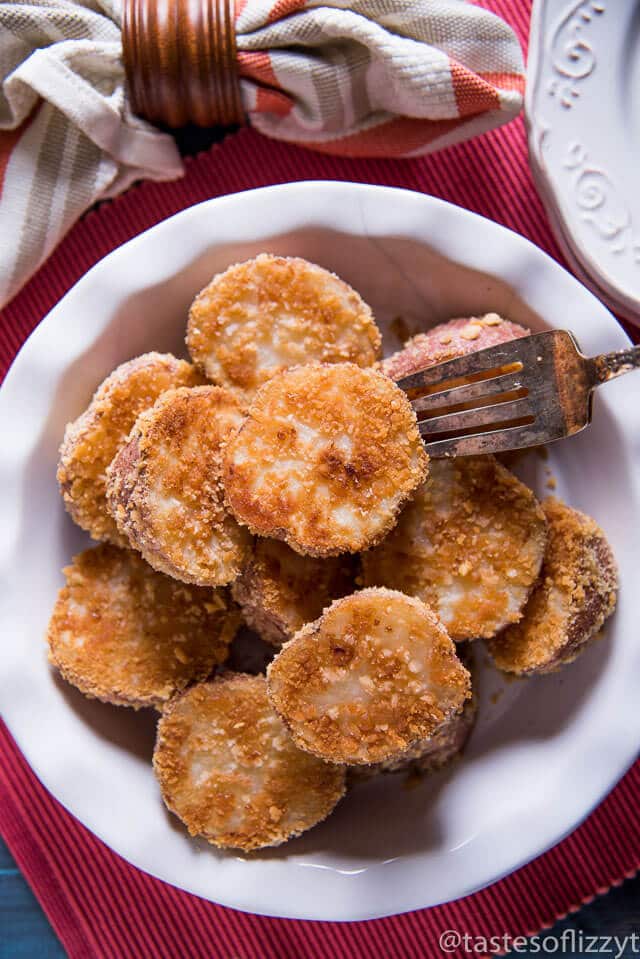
x=600, y=203
x=572, y=57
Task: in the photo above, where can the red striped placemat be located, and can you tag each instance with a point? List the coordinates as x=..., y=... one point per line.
x=100, y=906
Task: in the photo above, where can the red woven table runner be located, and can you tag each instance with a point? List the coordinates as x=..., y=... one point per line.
x=102, y=907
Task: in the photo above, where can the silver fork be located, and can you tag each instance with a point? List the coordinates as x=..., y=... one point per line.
x=526, y=392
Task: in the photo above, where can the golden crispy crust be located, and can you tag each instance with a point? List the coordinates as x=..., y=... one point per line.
x=439, y=750
x=446, y=341
x=470, y=544
x=366, y=681
x=279, y=590
x=127, y=635
x=91, y=441
x=263, y=316
x=429, y=755
x=325, y=459
x=228, y=768
x=164, y=488
x=575, y=595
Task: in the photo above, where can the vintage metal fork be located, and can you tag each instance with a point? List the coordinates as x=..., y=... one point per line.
x=522, y=393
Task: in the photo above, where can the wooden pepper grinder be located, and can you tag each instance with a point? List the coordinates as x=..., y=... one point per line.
x=180, y=61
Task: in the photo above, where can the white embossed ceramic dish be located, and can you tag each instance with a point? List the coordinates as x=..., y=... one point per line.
x=544, y=751
x=583, y=115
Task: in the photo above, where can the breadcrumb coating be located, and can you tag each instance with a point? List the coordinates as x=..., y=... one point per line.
x=575, y=595
x=325, y=459
x=446, y=341
x=127, y=635
x=439, y=750
x=374, y=675
x=92, y=441
x=164, y=487
x=228, y=768
x=263, y=316
x=470, y=545
x=279, y=590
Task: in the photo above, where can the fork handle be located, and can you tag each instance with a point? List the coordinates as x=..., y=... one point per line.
x=610, y=365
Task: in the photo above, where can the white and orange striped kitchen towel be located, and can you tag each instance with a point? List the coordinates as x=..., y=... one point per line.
x=368, y=78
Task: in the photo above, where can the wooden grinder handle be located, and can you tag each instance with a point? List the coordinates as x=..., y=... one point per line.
x=180, y=61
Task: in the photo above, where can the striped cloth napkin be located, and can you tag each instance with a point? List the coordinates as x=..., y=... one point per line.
x=371, y=78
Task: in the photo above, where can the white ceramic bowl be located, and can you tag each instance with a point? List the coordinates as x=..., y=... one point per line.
x=544, y=752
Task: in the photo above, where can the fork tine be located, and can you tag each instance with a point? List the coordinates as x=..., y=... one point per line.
x=548, y=368
x=484, y=416
x=495, y=441
x=465, y=393
x=477, y=362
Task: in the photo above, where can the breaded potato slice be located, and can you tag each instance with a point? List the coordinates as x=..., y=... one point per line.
x=446, y=341
x=164, y=488
x=122, y=633
x=279, y=590
x=92, y=441
x=325, y=459
x=470, y=545
x=429, y=755
x=263, y=316
x=369, y=679
x=440, y=749
x=575, y=595
x=228, y=768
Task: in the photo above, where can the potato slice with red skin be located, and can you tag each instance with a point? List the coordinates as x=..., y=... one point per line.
x=470, y=544
x=122, y=633
x=374, y=675
x=165, y=492
x=326, y=458
x=575, y=595
x=441, y=749
x=268, y=314
x=228, y=768
x=448, y=340
x=91, y=442
x=279, y=590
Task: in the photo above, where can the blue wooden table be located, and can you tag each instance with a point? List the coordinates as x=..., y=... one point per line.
x=25, y=932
